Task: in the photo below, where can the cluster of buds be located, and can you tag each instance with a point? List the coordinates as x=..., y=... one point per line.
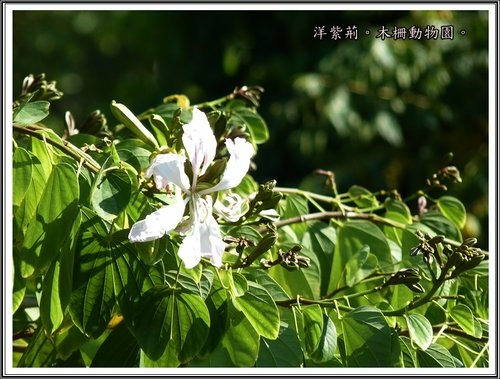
x=449, y=173
x=410, y=277
x=39, y=88
x=290, y=259
x=464, y=257
x=458, y=259
x=428, y=247
x=251, y=94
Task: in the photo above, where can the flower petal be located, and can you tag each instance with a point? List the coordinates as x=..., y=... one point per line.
x=199, y=142
x=170, y=167
x=205, y=240
x=232, y=208
x=158, y=223
x=241, y=151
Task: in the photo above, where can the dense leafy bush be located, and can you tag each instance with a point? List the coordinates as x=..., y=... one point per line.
x=141, y=242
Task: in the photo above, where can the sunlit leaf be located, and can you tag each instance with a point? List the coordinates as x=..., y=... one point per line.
x=463, y=316
x=453, y=210
x=166, y=315
x=56, y=213
x=31, y=113
x=22, y=169
x=359, y=266
x=255, y=124
x=259, y=308
x=111, y=193
x=408, y=353
x=285, y=351
x=262, y=278
x=369, y=341
x=320, y=334
x=435, y=356
x=362, y=197
x=352, y=236
x=441, y=225
x=320, y=239
x=313, y=326
x=420, y=330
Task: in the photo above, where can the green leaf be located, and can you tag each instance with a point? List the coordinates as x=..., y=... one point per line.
x=240, y=341
x=359, y=266
x=256, y=126
x=362, y=197
x=259, y=308
x=169, y=358
x=120, y=349
x=463, y=316
x=22, y=171
x=435, y=356
x=320, y=239
x=51, y=309
x=131, y=277
x=40, y=352
x=166, y=315
x=92, y=302
x=352, y=236
x=239, y=345
x=420, y=330
x=320, y=334
x=303, y=282
x=160, y=129
x=397, y=210
x=369, y=341
x=327, y=346
x=313, y=326
x=441, y=225
x=296, y=206
x=285, y=351
x=111, y=193
x=68, y=339
x=407, y=351
x=58, y=284
x=263, y=278
x=31, y=113
x=19, y=287
x=136, y=156
x=56, y=213
x=453, y=210
x=27, y=209
x=235, y=282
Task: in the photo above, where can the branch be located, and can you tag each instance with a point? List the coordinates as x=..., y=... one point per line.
x=336, y=214
x=67, y=148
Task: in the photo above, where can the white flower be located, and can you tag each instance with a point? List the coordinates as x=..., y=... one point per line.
x=203, y=237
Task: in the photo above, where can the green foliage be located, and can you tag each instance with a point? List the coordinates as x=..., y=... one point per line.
x=354, y=279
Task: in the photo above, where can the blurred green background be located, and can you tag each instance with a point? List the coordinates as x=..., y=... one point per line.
x=380, y=114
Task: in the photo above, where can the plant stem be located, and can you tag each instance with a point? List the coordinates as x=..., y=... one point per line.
x=422, y=300
x=337, y=214
x=67, y=148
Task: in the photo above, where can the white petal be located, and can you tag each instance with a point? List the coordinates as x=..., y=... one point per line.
x=158, y=223
x=232, y=208
x=170, y=167
x=160, y=182
x=241, y=151
x=199, y=142
x=189, y=250
x=205, y=240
